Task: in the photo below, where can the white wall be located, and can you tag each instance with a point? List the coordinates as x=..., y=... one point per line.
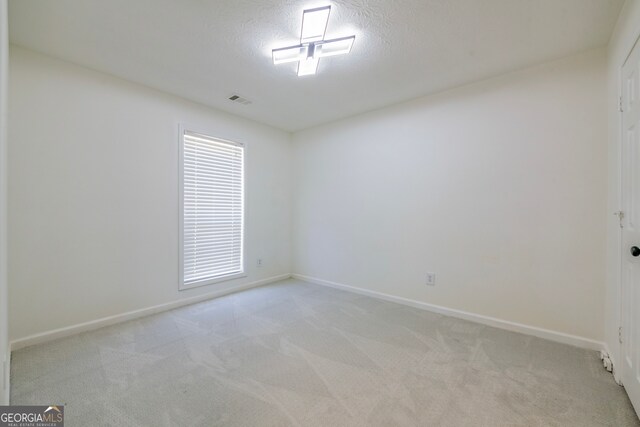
x=498, y=187
x=624, y=37
x=4, y=317
x=93, y=194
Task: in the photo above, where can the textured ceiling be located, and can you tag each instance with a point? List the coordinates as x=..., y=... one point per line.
x=207, y=50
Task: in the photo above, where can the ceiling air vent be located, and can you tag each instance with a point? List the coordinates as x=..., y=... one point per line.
x=239, y=100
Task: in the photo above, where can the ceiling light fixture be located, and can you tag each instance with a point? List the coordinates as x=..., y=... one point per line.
x=312, y=45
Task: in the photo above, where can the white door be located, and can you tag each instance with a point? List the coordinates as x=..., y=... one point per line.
x=630, y=333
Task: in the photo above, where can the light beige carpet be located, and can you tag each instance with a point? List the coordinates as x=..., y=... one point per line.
x=299, y=354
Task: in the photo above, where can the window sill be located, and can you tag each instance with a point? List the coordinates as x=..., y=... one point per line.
x=206, y=282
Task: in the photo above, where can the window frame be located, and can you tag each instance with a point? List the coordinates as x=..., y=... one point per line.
x=182, y=128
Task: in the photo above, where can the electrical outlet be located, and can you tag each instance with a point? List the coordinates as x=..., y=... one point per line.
x=431, y=279
x=259, y=262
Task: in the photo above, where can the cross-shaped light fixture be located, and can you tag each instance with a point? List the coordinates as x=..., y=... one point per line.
x=312, y=45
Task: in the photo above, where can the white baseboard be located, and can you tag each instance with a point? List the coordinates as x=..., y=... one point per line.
x=614, y=372
x=123, y=317
x=560, y=337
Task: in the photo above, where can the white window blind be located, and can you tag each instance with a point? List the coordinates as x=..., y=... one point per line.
x=212, y=217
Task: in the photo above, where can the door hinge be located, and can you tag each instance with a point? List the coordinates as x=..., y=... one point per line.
x=620, y=334
x=620, y=105
x=620, y=215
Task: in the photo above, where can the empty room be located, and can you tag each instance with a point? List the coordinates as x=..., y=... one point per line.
x=319, y=213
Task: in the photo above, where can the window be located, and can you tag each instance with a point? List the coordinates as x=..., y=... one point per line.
x=211, y=209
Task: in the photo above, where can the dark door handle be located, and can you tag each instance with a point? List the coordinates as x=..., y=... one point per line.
x=635, y=251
